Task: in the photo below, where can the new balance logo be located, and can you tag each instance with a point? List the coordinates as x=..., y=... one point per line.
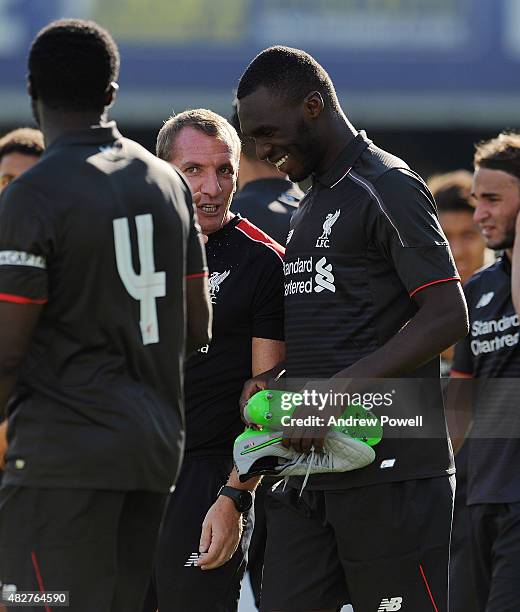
x=485, y=299
x=324, y=278
x=388, y=605
x=192, y=560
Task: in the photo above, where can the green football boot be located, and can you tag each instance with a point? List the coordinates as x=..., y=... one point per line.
x=266, y=408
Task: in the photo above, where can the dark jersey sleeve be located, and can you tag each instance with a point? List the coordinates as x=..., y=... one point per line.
x=268, y=299
x=404, y=223
x=463, y=357
x=462, y=361
x=27, y=241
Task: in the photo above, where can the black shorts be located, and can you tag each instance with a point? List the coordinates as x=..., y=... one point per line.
x=380, y=548
x=98, y=545
x=178, y=583
x=495, y=541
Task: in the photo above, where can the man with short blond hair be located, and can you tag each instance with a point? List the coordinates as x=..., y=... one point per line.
x=246, y=281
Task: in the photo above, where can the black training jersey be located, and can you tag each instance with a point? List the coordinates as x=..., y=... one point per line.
x=246, y=288
x=491, y=353
x=102, y=233
x=364, y=240
x=269, y=203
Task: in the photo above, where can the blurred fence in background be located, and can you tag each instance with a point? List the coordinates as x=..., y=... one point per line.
x=418, y=66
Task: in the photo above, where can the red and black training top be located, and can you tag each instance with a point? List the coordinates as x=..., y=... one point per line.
x=246, y=288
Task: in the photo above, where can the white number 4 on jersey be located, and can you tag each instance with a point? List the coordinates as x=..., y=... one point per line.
x=149, y=284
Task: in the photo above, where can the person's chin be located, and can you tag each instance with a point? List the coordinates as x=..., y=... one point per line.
x=296, y=176
x=210, y=226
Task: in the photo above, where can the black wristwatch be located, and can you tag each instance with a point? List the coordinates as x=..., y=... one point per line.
x=243, y=500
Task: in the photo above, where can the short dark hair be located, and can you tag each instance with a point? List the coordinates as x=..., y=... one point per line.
x=72, y=63
x=201, y=119
x=248, y=144
x=452, y=191
x=500, y=153
x=26, y=141
x=289, y=72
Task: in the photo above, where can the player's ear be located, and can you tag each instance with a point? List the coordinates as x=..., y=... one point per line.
x=111, y=93
x=31, y=90
x=313, y=105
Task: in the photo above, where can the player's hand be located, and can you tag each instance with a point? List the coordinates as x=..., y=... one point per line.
x=3, y=443
x=304, y=438
x=221, y=533
x=258, y=383
x=252, y=386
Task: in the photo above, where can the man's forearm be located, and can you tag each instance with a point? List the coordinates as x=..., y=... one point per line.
x=7, y=383
x=17, y=323
x=3, y=443
x=459, y=409
x=249, y=485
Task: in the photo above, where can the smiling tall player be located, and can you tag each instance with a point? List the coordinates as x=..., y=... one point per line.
x=371, y=292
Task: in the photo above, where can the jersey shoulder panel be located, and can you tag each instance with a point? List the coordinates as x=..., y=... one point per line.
x=260, y=242
x=482, y=275
x=374, y=162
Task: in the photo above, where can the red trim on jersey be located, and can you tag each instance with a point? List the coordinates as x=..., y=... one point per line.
x=428, y=588
x=18, y=299
x=198, y=275
x=257, y=235
x=442, y=280
x=39, y=577
x=459, y=374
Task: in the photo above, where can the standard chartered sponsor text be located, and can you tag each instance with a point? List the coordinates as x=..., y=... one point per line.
x=480, y=328
x=321, y=279
x=498, y=342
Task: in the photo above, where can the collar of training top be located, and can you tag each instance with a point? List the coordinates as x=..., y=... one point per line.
x=505, y=263
x=95, y=134
x=345, y=160
x=226, y=228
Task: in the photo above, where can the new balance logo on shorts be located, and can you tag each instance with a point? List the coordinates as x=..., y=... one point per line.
x=387, y=605
x=192, y=560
